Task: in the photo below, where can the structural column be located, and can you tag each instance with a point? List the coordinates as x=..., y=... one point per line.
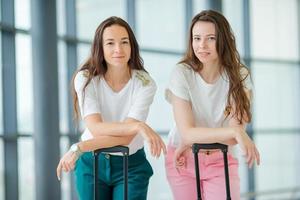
x=130, y=14
x=9, y=100
x=214, y=5
x=46, y=112
x=71, y=45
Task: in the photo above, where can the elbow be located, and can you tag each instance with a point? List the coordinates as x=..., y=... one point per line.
x=127, y=140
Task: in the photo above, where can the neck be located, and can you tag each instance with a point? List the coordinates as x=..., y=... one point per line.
x=117, y=76
x=210, y=72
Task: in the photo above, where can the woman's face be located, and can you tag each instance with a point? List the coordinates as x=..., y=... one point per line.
x=116, y=46
x=204, y=42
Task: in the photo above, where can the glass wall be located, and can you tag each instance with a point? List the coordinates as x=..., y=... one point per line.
x=90, y=13
x=160, y=31
x=24, y=84
x=276, y=76
x=149, y=24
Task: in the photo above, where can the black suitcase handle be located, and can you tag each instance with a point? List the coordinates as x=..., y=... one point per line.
x=224, y=148
x=116, y=149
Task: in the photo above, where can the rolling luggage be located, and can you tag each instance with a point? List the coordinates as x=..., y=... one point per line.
x=224, y=149
x=125, y=151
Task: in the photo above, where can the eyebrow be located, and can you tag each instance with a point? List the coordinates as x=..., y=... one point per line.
x=205, y=35
x=110, y=39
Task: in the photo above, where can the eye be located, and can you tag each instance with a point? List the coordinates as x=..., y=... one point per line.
x=109, y=43
x=197, y=38
x=211, y=38
x=125, y=42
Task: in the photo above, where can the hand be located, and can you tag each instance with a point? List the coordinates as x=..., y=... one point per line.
x=180, y=156
x=248, y=147
x=153, y=139
x=66, y=163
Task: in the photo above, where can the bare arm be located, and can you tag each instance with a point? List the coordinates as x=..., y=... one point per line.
x=124, y=131
x=103, y=142
x=67, y=162
x=191, y=134
x=233, y=122
x=97, y=127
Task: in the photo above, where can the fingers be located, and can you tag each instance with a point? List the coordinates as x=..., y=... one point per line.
x=257, y=156
x=164, y=148
x=58, y=171
x=180, y=163
x=156, y=145
x=67, y=163
x=252, y=155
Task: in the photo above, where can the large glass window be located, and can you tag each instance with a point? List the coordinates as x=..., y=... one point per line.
x=160, y=66
x=64, y=88
x=90, y=13
x=274, y=29
x=199, y=5
x=83, y=51
x=24, y=84
x=149, y=24
x=280, y=163
x=276, y=95
x=158, y=187
x=61, y=17
x=233, y=11
x=26, y=169
x=66, y=177
x=22, y=14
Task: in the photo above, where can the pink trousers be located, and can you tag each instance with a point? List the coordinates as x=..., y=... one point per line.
x=212, y=179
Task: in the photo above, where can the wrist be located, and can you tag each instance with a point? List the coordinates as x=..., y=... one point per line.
x=138, y=127
x=235, y=132
x=75, y=148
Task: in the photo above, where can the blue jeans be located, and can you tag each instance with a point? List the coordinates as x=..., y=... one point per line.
x=110, y=176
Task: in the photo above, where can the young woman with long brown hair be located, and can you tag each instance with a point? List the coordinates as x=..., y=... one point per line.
x=210, y=93
x=113, y=93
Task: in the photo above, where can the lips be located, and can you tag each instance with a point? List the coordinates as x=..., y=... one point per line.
x=203, y=53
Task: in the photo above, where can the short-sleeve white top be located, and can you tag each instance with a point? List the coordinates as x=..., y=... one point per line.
x=208, y=100
x=133, y=101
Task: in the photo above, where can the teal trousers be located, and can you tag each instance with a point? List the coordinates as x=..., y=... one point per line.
x=110, y=176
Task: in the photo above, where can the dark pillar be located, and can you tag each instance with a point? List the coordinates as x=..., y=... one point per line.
x=71, y=44
x=130, y=12
x=46, y=112
x=214, y=5
x=9, y=101
x=247, y=59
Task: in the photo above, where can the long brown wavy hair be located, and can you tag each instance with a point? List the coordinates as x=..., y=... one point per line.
x=230, y=62
x=96, y=64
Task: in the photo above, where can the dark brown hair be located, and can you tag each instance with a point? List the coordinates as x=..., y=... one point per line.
x=229, y=60
x=96, y=64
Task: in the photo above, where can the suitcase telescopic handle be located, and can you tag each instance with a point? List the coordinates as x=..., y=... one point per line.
x=224, y=148
x=116, y=149
x=196, y=147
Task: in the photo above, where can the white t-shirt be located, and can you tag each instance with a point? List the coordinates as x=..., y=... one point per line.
x=208, y=100
x=133, y=101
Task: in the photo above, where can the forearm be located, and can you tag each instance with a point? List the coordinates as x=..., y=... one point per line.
x=233, y=123
x=103, y=142
x=208, y=135
x=113, y=128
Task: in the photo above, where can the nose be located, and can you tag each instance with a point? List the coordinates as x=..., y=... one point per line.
x=118, y=48
x=203, y=43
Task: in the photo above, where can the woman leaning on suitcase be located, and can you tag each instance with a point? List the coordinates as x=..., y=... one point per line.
x=113, y=92
x=210, y=93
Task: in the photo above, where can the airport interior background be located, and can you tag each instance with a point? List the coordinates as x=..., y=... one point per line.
x=44, y=41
